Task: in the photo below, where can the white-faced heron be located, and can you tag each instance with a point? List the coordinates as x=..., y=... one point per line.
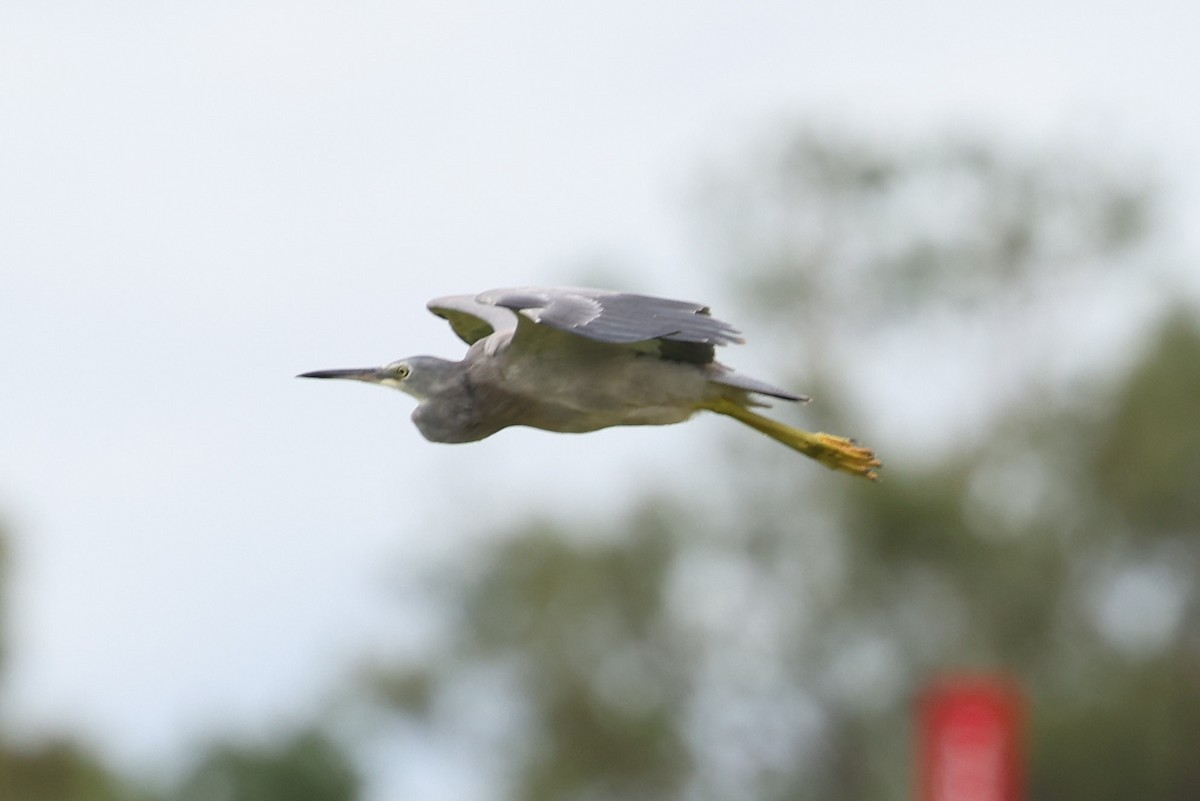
x=574, y=360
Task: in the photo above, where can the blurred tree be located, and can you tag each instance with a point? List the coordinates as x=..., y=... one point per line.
x=3, y=596
x=306, y=766
x=982, y=272
x=1147, y=471
x=60, y=771
x=766, y=641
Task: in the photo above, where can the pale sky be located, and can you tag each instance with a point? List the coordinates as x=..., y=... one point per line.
x=199, y=201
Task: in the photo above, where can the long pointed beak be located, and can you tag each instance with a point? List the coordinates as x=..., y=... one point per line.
x=372, y=375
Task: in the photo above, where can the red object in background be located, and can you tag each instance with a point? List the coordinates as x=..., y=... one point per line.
x=971, y=745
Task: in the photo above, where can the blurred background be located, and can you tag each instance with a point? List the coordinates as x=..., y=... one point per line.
x=967, y=231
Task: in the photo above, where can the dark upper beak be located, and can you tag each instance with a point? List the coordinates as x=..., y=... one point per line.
x=372, y=375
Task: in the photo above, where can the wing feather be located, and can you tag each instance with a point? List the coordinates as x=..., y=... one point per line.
x=471, y=319
x=616, y=317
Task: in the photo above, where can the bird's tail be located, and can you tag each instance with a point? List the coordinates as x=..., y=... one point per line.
x=836, y=453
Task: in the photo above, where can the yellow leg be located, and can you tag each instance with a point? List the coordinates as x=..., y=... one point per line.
x=836, y=453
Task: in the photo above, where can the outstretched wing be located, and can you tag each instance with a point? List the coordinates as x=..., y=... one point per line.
x=616, y=317
x=670, y=329
x=674, y=329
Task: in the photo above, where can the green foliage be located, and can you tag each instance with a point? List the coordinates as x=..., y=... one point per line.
x=1148, y=463
x=3, y=594
x=305, y=767
x=59, y=771
x=600, y=677
x=1132, y=735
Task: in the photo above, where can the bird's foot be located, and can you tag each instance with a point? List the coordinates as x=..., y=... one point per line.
x=840, y=453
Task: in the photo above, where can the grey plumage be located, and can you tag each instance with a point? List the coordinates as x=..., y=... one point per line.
x=576, y=360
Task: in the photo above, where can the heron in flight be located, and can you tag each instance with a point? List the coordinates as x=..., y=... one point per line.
x=574, y=360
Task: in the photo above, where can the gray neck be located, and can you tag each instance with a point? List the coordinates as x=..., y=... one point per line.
x=448, y=411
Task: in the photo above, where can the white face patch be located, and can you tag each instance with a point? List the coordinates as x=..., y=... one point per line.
x=397, y=371
x=396, y=375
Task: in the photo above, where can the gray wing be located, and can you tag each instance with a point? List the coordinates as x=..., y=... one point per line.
x=472, y=318
x=676, y=329
x=617, y=317
x=672, y=329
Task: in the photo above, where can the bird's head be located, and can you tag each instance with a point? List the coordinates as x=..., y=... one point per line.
x=419, y=376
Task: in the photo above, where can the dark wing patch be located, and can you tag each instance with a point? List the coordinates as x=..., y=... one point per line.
x=692, y=352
